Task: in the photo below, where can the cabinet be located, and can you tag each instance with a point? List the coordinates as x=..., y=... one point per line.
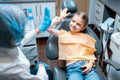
x=98, y=12
x=104, y=9
x=33, y=6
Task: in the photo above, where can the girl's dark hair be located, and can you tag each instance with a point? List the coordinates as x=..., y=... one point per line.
x=12, y=23
x=83, y=16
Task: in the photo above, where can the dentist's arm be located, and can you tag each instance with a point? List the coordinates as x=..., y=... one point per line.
x=42, y=28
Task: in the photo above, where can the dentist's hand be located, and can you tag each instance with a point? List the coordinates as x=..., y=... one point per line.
x=46, y=21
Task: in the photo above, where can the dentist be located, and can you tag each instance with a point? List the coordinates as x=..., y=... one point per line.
x=13, y=64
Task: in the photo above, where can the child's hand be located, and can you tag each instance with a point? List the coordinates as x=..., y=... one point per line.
x=64, y=14
x=87, y=68
x=57, y=19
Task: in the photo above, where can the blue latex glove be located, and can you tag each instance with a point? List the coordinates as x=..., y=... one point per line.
x=46, y=20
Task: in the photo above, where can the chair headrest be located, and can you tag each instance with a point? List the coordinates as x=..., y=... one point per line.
x=71, y=5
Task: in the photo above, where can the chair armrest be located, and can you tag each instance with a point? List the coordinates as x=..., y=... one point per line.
x=113, y=63
x=58, y=74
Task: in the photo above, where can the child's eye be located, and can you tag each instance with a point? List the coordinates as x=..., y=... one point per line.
x=73, y=20
x=79, y=24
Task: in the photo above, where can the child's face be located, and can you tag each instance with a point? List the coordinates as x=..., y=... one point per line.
x=77, y=24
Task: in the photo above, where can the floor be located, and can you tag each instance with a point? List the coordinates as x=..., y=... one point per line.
x=41, y=43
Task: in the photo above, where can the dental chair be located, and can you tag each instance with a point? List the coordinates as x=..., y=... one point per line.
x=52, y=50
x=52, y=43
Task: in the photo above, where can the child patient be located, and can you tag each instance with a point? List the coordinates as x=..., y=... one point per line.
x=76, y=47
